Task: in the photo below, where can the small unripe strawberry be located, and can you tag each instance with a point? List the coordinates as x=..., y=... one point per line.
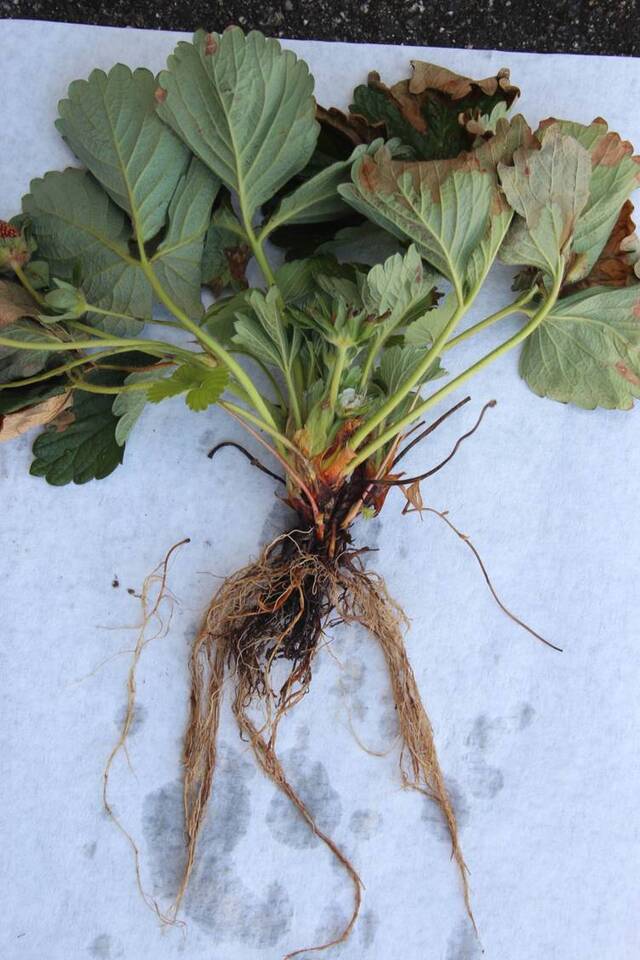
x=14, y=249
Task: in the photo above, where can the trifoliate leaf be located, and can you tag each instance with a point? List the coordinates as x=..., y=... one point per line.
x=614, y=174
x=129, y=404
x=548, y=189
x=110, y=123
x=202, y=386
x=79, y=230
x=81, y=445
x=587, y=350
x=226, y=252
x=441, y=206
x=178, y=260
x=245, y=107
x=425, y=111
x=398, y=288
x=266, y=332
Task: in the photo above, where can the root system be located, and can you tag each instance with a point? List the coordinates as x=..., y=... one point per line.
x=276, y=609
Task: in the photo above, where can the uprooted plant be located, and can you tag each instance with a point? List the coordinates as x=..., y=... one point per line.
x=391, y=217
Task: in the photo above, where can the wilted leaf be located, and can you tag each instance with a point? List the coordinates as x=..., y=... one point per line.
x=441, y=206
x=110, y=123
x=615, y=173
x=587, y=350
x=425, y=111
x=14, y=424
x=616, y=265
x=81, y=445
x=15, y=302
x=245, y=107
x=548, y=189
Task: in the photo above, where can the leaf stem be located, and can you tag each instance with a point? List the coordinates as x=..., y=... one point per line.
x=407, y=386
x=440, y=394
x=514, y=307
x=64, y=368
x=336, y=376
x=26, y=283
x=209, y=342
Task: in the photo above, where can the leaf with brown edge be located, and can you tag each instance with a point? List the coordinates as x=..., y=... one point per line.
x=617, y=263
x=14, y=424
x=15, y=303
x=615, y=173
x=442, y=206
x=429, y=111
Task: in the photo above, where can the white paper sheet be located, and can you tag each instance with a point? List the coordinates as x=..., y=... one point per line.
x=540, y=749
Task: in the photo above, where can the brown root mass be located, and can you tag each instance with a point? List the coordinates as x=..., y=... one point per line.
x=275, y=609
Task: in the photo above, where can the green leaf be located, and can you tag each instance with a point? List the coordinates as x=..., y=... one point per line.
x=548, y=189
x=398, y=289
x=614, y=175
x=86, y=448
x=423, y=331
x=129, y=404
x=226, y=252
x=66, y=300
x=80, y=230
x=441, y=206
x=266, y=333
x=245, y=107
x=317, y=199
x=178, y=260
x=297, y=280
x=398, y=363
x=20, y=397
x=110, y=123
x=17, y=364
x=220, y=318
x=365, y=243
x=202, y=386
x=587, y=350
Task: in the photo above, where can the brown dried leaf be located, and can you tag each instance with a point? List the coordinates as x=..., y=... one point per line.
x=14, y=424
x=15, y=303
x=429, y=76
